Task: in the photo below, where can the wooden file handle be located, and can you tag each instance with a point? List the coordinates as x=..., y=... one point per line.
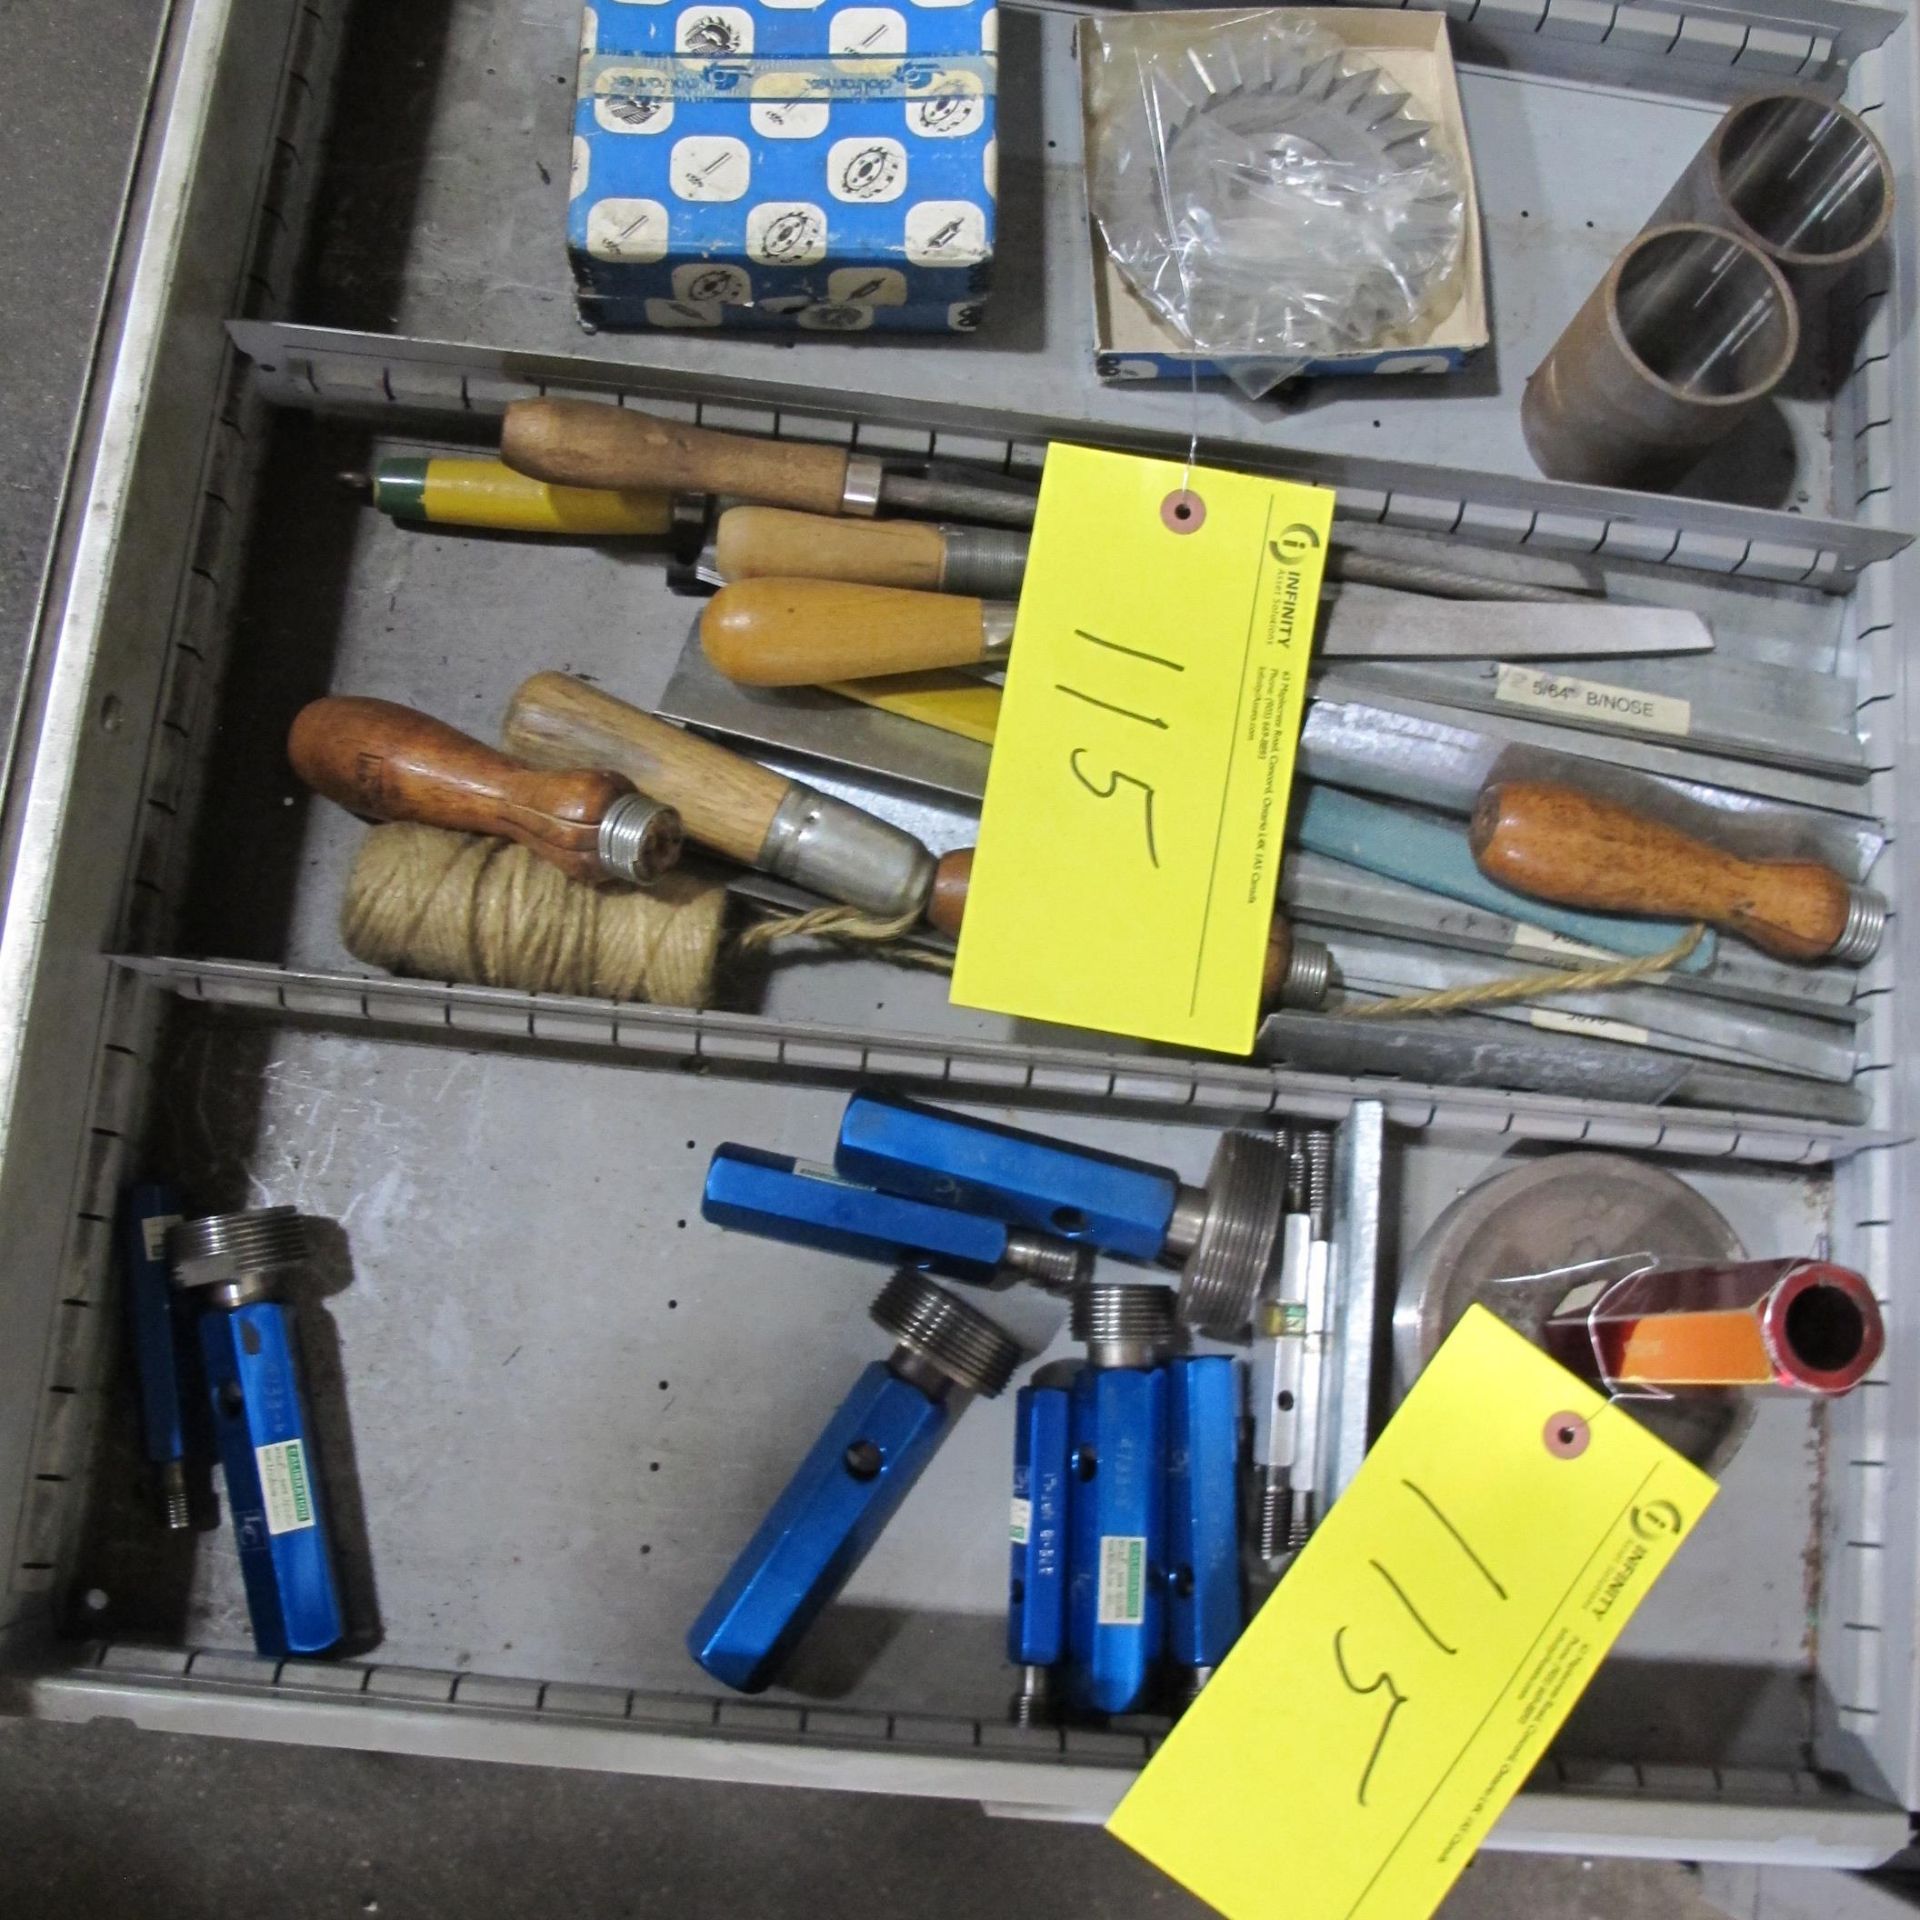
x=1557, y=843
x=724, y=801
x=947, y=900
x=759, y=543
x=390, y=763
x=801, y=633
x=583, y=443
x=947, y=907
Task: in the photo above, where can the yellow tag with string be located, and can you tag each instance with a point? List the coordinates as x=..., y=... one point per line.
x=1142, y=756
x=1415, y=1662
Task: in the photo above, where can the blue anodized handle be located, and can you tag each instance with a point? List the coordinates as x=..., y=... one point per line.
x=1121, y=1206
x=820, y=1528
x=1037, y=1582
x=273, y=1492
x=1204, y=1609
x=780, y=1198
x=1117, y=1495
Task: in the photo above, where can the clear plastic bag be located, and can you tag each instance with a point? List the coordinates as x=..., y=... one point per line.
x=1266, y=190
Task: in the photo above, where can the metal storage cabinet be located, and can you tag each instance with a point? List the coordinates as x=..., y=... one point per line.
x=555, y=1401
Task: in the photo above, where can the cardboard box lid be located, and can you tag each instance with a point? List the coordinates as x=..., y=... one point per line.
x=762, y=28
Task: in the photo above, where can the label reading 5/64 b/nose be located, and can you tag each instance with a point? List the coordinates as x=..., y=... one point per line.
x=1123, y=1580
x=1601, y=704
x=285, y=1488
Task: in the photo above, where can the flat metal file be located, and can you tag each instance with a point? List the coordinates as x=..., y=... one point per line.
x=1323, y=895
x=1403, y=750
x=1781, y=717
x=1431, y=851
x=821, y=627
x=1472, y=1050
x=1646, y=1016
x=1474, y=756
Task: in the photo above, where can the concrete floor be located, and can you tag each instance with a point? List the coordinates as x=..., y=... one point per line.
x=93, y=1817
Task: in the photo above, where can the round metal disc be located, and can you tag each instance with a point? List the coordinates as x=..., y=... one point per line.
x=1562, y=1211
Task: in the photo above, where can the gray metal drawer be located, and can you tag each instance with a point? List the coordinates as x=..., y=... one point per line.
x=557, y=1399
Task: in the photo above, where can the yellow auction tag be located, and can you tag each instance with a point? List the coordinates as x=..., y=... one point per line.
x=1409, y=1672
x=1137, y=797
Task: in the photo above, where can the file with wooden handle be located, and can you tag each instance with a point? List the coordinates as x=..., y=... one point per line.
x=389, y=762
x=1558, y=843
x=445, y=490
x=728, y=803
x=586, y=443
x=803, y=633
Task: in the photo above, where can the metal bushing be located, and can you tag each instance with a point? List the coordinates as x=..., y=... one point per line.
x=1794, y=174
x=1123, y=1324
x=940, y=1331
x=1235, y=1237
x=1688, y=332
x=239, y=1255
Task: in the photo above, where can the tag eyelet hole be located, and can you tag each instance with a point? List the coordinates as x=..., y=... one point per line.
x=1183, y=511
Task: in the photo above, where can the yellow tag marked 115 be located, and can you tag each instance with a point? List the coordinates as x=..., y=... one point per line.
x=1137, y=798
x=1413, y=1666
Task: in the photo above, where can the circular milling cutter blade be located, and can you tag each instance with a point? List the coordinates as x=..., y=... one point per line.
x=1565, y=1210
x=1246, y=1203
x=1298, y=208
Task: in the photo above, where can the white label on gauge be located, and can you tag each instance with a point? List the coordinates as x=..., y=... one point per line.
x=1021, y=1529
x=154, y=1233
x=285, y=1489
x=1123, y=1580
x=1591, y=700
x=1588, y=1026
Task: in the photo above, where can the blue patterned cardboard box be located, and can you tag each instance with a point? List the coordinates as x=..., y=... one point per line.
x=784, y=163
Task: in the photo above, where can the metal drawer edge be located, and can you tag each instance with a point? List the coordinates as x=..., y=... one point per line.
x=330, y=368
x=1702, y=1816
x=630, y=1031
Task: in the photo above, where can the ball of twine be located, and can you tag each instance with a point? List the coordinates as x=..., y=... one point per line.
x=487, y=912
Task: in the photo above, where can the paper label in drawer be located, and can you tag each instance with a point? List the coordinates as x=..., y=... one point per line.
x=1417, y=1661
x=1143, y=757
x=1592, y=701
x=1123, y=1580
x=1530, y=939
x=1589, y=1026
x=284, y=1487
x=1021, y=1529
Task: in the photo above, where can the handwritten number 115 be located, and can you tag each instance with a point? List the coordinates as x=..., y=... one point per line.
x=1117, y=777
x=1383, y=1681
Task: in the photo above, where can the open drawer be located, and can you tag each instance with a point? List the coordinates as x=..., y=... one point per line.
x=552, y=1401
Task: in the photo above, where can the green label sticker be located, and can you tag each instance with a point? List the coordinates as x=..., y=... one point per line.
x=285, y=1488
x=1123, y=1580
